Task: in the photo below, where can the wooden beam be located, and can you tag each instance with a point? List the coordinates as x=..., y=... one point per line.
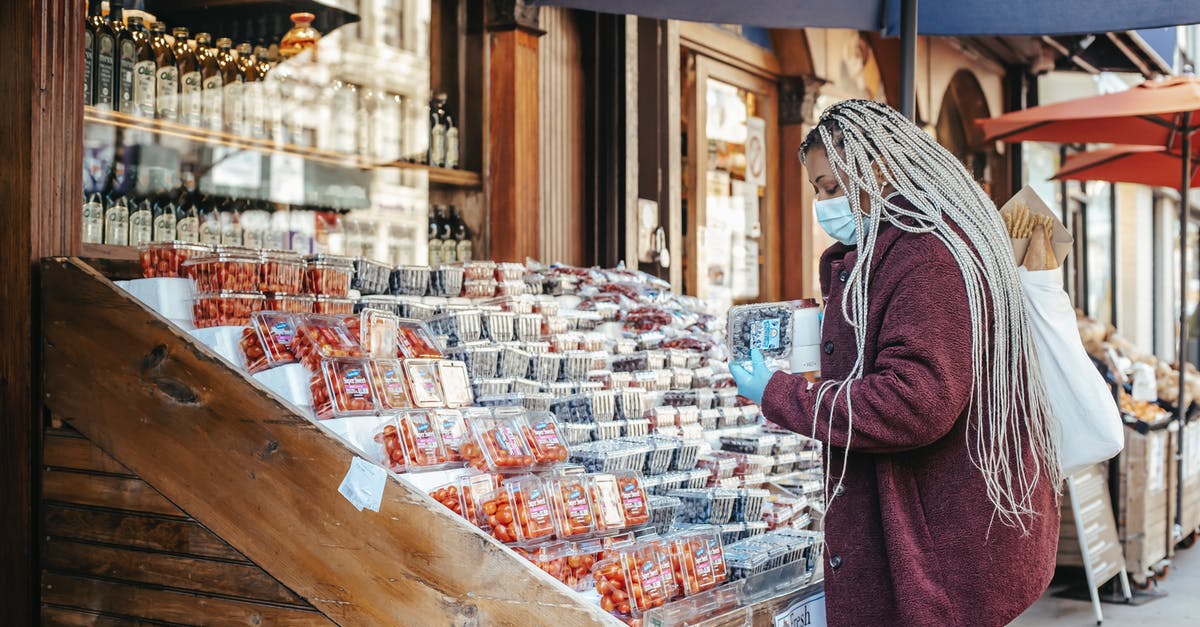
x=727, y=47
x=513, y=130
x=155, y=533
x=41, y=98
x=236, y=458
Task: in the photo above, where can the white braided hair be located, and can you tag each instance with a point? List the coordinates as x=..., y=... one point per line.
x=1009, y=408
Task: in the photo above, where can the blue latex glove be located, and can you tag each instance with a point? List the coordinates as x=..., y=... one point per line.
x=752, y=383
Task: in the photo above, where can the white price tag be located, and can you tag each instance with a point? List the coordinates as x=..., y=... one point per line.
x=233, y=167
x=363, y=485
x=807, y=613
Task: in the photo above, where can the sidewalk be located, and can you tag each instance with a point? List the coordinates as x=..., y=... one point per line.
x=1180, y=607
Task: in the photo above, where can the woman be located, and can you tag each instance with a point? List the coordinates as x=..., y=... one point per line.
x=941, y=464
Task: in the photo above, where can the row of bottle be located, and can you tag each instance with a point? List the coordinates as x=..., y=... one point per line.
x=443, y=135
x=184, y=214
x=449, y=236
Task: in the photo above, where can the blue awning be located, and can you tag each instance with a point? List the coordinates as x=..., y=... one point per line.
x=935, y=17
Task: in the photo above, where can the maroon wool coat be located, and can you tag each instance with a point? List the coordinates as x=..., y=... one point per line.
x=911, y=540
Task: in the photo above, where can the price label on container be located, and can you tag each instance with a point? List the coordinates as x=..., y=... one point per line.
x=809, y=612
x=287, y=179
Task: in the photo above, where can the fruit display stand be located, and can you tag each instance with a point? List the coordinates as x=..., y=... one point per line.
x=1190, y=509
x=242, y=476
x=176, y=487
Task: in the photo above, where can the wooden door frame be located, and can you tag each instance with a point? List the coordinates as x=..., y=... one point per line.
x=706, y=68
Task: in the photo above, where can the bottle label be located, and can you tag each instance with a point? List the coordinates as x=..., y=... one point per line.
x=210, y=232
x=116, y=225
x=128, y=56
x=105, y=68
x=452, y=148
x=252, y=238
x=168, y=93
x=449, y=251
x=88, y=61
x=192, y=97
x=235, y=108
x=188, y=229
x=164, y=227
x=143, y=88
x=435, y=252
x=256, y=121
x=93, y=222
x=437, y=146
x=231, y=235
x=213, y=103
x=464, y=250
x=141, y=227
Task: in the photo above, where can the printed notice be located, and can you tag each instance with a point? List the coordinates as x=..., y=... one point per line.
x=807, y=613
x=363, y=485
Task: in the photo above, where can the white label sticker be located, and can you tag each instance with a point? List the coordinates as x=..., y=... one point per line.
x=363, y=485
x=807, y=613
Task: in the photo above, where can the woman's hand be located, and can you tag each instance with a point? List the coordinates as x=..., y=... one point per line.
x=752, y=383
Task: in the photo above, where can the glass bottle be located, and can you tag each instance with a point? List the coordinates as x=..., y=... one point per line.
x=165, y=219
x=141, y=222
x=437, y=131
x=187, y=229
x=191, y=85
x=269, y=93
x=89, y=53
x=435, y=235
x=93, y=218
x=116, y=221
x=233, y=104
x=462, y=235
x=231, y=224
x=301, y=37
x=166, y=75
x=210, y=223
x=449, y=245
x=126, y=58
x=451, y=139
x=105, y=59
x=363, y=105
x=386, y=122
x=144, y=77
x=212, y=93
x=251, y=94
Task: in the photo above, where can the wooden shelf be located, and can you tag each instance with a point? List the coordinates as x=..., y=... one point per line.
x=108, y=251
x=454, y=178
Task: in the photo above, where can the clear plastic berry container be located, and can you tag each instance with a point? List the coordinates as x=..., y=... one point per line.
x=546, y=367
x=412, y=308
x=379, y=302
x=482, y=359
x=544, y=439
x=697, y=477
x=691, y=554
x=576, y=433
x=529, y=327
x=282, y=271
x=766, y=327
x=267, y=342
x=375, y=332
x=509, y=271
x=446, y=280
x=635, y=427
x=633, y=582
x=390, y=384
x=462, y=326
x=225, y=271
x=500, y=326
x=498, y=444
x=514, y=362
x=456, y=383
x=520, y=511
x=662, y=512
x=479, y=270
x=709, y=506
x=479, y=289
x=424, y=384
x=291, y=303
x=687, y=455
x=225, y=308
x=370, y=277
x=662, y=450
x=415, y=341
x=573, y=510
x=748, y=506
x=319, y=337
x=333, y=305
x=343, y=389
x=491, y=387
x=423, y=449
x=328, y=275
x=452, y=428
x=409, y=280
x=166, y=259
x=461, y=496
x=634, y=500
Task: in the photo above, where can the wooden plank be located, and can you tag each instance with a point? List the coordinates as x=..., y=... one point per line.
x=67, y=617
x=107, y=491
x=167, y=605
x=170, y=571
x=181, y=537
x=513, y=141
x=266, y=480
x=40, y=121
x=78, y=453
x=727, y=47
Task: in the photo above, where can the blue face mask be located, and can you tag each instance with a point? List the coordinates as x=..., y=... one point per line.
x=835, y=216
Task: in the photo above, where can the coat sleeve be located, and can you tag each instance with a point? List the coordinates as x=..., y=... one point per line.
x=918, y=386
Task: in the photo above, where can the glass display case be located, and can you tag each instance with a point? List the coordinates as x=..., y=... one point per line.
x=301, y=125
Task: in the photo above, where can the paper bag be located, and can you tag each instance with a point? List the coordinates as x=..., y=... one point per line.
x=1061, y=240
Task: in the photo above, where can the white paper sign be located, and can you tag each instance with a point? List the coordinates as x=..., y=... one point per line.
x=363, y=485
x=807, y=613
x=756, y=151
x=233, y=167
x=287, y=179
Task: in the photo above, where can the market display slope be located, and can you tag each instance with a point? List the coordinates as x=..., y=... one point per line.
x=265, y=480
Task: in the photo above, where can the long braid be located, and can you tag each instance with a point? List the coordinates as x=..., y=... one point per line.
x=1008, y=398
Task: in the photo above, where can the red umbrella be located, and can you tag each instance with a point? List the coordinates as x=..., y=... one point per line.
x=1163, y=114
x=1142, y=165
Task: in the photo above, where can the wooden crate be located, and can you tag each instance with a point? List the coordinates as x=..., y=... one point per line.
x=1142, y=522
x=1190, y=513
